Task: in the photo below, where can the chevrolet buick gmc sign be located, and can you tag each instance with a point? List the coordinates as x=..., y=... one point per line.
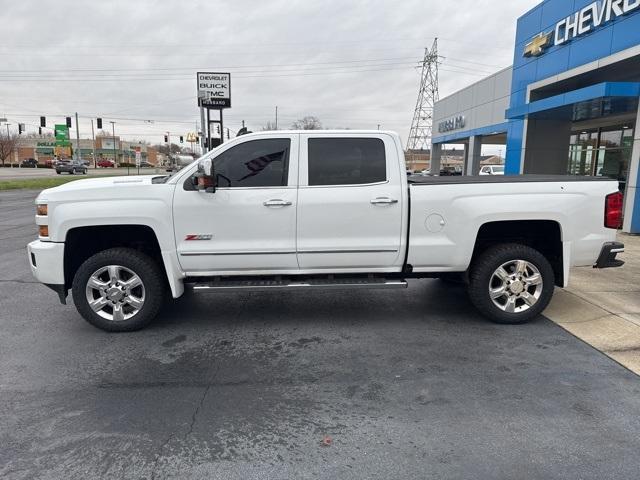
x=452, y=124
x=214, y=90
x=580, y=23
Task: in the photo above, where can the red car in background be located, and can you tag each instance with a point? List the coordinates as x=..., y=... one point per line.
x=106, y=164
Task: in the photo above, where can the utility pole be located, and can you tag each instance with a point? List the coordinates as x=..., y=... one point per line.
x=276, y=117
x=113, y=132
x=10, y=159
x=93, y=136
x=422, y=125
x=78, y=154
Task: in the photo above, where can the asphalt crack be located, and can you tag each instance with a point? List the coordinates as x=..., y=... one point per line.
x=194, y=418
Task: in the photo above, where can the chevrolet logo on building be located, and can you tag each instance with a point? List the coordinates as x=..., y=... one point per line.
x=538, y=45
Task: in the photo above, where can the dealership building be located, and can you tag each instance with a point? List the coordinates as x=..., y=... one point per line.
x=569, y=103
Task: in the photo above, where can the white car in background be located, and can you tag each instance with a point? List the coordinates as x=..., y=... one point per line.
x=492, y=170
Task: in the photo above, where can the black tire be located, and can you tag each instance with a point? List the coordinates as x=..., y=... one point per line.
x=141, y=264
x=482, y=271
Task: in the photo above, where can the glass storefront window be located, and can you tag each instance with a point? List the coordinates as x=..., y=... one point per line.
x=604, y=152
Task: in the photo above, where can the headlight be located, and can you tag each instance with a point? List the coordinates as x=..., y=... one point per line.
x=42, y=210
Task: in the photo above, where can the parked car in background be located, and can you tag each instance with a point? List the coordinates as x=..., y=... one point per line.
x=105, y=164
x=71, y=166
x=425, y=172
x=450, y=171
x=29, y=163
x=492, y=170
x=145, y=165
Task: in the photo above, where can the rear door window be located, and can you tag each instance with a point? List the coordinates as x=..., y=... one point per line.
x=346, y=161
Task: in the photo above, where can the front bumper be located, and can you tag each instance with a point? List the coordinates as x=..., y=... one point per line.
x=607, y=257
x=46, y=260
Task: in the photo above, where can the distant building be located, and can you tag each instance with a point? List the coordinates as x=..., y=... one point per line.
x=44, y=150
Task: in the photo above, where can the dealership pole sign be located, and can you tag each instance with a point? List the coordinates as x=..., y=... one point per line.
x=214, y=90
x=214, y=93
x=586, y=20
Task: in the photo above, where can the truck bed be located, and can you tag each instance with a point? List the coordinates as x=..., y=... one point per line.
x=445, y=219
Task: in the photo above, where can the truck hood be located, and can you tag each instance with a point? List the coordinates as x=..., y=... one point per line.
x=95, y=188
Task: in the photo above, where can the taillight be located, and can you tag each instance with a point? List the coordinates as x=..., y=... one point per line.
x=613, y=210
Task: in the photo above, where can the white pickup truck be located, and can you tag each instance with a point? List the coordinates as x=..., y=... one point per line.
x=317, y=209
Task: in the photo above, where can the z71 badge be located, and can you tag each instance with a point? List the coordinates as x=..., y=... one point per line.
x=206, y=236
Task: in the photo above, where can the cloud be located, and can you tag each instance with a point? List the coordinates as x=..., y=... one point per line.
x=351, y=63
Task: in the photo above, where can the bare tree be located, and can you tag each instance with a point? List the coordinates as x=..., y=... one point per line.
x=269, y=126
x=307, y=123
x=8, y=144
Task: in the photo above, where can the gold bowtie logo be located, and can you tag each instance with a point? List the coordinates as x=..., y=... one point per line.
x=537, y=45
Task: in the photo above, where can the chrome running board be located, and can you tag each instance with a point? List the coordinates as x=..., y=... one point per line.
x=289, y=284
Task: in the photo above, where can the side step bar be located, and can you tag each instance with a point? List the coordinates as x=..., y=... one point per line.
x=311, y=284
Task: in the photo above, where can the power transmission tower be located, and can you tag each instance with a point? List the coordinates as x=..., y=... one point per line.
x=422, y=124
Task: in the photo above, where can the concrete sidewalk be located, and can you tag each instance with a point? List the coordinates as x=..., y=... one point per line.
x=602, y=307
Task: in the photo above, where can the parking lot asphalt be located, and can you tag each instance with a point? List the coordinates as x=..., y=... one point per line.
x=400, y=384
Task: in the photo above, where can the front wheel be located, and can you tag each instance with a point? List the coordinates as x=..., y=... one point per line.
x=119, y=290
x=511, y=283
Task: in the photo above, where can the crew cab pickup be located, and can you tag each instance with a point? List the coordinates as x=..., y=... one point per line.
x=317, y=209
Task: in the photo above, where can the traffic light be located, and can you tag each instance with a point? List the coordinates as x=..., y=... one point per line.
x=99, y=122
x=43, y=121
x=20, y=128
x=197, y=139
x=166, y=139
x=69, y=122
x=181, y=139
x=218, y=129
x=40, y=130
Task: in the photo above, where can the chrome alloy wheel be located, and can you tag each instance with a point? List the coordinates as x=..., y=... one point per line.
x=515, y=286
x=115, y=293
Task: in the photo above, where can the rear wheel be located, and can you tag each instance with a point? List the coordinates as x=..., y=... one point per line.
x=511, y=283
x=118, y=290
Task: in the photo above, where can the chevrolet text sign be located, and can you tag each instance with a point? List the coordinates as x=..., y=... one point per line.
x=580, y=23
x=214, y=90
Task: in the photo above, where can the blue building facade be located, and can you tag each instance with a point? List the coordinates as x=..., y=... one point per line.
x=574, y=92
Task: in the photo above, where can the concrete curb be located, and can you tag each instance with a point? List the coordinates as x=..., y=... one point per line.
x=615, y=335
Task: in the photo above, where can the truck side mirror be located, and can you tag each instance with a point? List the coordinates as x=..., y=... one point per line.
x=205, y=176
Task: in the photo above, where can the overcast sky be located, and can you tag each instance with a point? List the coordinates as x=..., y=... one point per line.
x=350, y=63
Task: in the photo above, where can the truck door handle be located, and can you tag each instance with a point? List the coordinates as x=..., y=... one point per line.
x=277, y=203
x=383, y=201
